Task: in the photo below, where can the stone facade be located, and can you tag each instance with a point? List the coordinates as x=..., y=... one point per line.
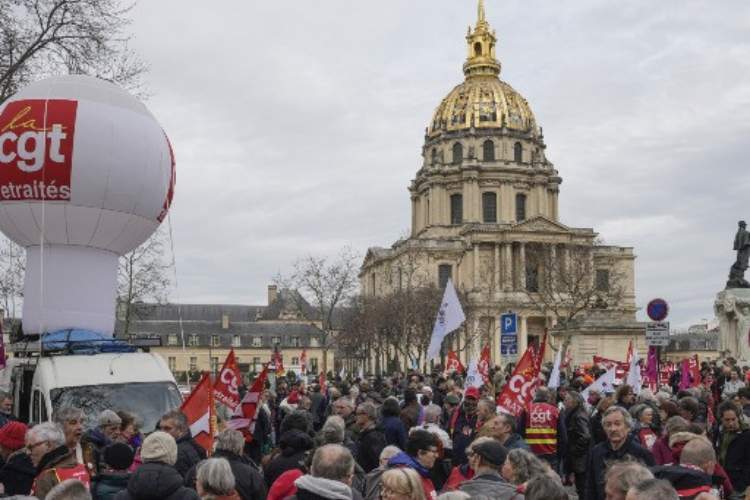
x=484, y=212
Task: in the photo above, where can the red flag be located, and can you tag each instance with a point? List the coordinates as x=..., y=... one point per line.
x=629, y=356
x=201, y=414
x=247, y=412
x=518, y=391
x=322, y=382
x=484, y=364
x=453, y=363
x=225, y=387
x=695, y=371
x=303, y=360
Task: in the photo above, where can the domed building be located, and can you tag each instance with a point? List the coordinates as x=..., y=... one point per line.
x=484, y=213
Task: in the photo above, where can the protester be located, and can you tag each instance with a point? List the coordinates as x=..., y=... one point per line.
x=420, y=455
x=662, y=451
x=6, y=408
x=70, y=489
x=545, y=488
x=401, y=484
x=294, y=444
x=544, y=430
x=71, y=421
x=732, y=446
x=485, y=411
x=463, y=425
x=579, y=440
x=344, y=408
x=54, y=461
x=371, y=439
x=334, y=432
x=411, y=413
x=432, y=414
x=113, y=475
x=695, y=472
x=521, y=466
x=621, y=476
x=733, y=385
x=487, y=459
x=652, y=489
x=215, y=480
x=330, y=475
x=17, y=471
x=189, y=452
x=106, y=431
x=643, y=425
x=393, y=426
x=463, y=472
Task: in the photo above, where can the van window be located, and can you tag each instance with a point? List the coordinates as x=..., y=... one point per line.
x=36, y=413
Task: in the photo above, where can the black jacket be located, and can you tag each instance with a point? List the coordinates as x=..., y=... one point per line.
x=463, y=433
x=688, y=482
x=248, y=481
x=189, y=453
x=294, y=445
x=17, y=474
x=371, y=443
x=602, y=455
x=156, y=481
x=579, y=440
x=737, y=461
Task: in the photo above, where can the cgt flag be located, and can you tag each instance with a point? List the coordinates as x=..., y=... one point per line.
x=518, y=391
x=201, y=414
x=484, y=364
x=449, y=317
x=247, y=412
x=227, y=383
x=453, y=363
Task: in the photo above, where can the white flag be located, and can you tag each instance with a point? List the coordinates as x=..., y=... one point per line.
x=361, y=374
x=342, y=373
x=554, y=377
x=605, y=383
x=449, y=317
x=634, y=379
x=473, y=377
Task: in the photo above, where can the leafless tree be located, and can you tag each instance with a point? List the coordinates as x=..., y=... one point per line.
x=143, y=279
x=12, y=269
x=40, y=38
x=327, y=284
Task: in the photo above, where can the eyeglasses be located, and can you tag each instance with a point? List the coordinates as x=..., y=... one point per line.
x=32, y=446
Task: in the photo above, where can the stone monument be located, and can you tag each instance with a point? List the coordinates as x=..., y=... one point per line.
x=732, y=305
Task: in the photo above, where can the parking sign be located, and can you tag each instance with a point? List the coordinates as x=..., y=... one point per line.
x=508, y=324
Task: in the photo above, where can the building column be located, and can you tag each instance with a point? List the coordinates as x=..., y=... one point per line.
x=566, y=262
x=553, y=267
x=521, y=266
x=414, y=215
x=507, y=267
x=475, y=263
x=496, y=274
x=523, y=335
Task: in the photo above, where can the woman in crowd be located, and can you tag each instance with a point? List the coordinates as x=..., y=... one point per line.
x=401, y=483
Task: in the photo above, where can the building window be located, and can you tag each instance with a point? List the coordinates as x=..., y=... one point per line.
x=477, y=49
x=520, y=207
x=257, y=342
x=295, y=361
x=314, y=342
x=214, y=365
x=518, y=152
x=256, y=364
x=215, y=341
x=602, y=280
x=276, y=340
x=295, y=341
x=458, y=153
x=171, y=339
x=172, y=362
x=488, y=150
x=314, y=365
x=193, y=364
x=193, y=341
x=445, y=272
x=489, y=207
x=532, y=279
x=433, y=156
x=457, y=209
x=236, y=341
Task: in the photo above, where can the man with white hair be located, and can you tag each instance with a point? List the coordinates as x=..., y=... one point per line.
x=106, y=431
x=330, y=475
x=52, y=458
x=372, y=480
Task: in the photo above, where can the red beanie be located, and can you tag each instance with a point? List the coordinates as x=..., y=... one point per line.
x=12, y=435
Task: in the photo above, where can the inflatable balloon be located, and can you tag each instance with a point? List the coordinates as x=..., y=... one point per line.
x=86, y=175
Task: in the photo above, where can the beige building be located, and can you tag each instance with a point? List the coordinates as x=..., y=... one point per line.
x=484, y=213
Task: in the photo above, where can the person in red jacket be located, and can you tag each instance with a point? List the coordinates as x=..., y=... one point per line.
x=544, y=430
x=421, y=453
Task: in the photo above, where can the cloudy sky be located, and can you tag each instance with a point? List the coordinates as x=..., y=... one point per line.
x=297, y=126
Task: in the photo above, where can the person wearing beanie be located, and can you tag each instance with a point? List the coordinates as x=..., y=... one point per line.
x=101, y=436
x=114, y=476
x=16, y=470
x=157, y=478
x=487, y=459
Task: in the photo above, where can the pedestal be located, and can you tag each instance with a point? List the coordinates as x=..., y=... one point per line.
x=732, y=308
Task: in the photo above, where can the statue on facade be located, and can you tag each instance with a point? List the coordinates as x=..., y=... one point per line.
x=742, y=246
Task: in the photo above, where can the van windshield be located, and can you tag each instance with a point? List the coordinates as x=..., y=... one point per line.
x=147, y=400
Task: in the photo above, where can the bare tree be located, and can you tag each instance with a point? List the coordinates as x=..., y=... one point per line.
x=40, y=38
x=12, y=269
x=143, y=279
x=327, y=284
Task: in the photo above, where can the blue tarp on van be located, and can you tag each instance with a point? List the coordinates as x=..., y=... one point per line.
x=83, y=342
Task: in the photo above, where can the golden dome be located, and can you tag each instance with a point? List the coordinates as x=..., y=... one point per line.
x=482, y=100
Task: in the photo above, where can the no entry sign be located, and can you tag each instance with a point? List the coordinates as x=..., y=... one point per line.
x=657, y=310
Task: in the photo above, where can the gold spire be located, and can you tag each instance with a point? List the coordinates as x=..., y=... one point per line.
x=481, y=48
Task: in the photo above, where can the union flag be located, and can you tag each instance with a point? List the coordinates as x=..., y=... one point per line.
x=201, y=413
x=246, y=414
x=453, y=363
x=227, y=383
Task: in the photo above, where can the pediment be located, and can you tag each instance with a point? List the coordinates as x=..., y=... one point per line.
x=540, y=224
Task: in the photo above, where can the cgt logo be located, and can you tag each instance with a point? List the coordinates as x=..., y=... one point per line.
x=36, y=149
x=230, y=380
x=540, y=417
x=521, y=386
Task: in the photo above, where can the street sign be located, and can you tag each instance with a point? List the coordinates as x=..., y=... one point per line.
x=508, y=345
x=657, y=333
x=657, y=310
x=508, y=324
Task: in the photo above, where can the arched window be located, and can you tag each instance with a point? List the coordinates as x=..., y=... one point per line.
x=477, y=49
x=433, y=157
x=520, y=207
x=457, y=209
x=517, y=152
x=445, y=272
x=489, y=207
x=488, y=150
x=458, y=153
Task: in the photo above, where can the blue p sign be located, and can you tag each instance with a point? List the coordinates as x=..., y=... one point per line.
x=508, y=324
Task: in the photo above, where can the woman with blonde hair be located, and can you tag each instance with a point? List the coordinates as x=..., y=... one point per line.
x=401, y=483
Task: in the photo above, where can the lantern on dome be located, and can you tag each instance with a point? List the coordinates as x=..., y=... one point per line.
x=86, y=175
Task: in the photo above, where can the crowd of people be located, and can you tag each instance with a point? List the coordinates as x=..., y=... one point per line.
x=405, y=437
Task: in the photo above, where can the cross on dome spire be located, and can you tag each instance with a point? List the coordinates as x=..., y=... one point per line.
x=481, y=44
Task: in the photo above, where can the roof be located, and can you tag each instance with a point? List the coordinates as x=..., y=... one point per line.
x=197, y=312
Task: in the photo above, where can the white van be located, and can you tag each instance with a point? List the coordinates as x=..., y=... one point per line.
x=139, y=382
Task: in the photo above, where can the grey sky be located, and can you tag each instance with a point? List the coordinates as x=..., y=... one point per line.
x=297, y=126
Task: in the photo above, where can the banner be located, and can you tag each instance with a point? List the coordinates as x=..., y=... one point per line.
x=519, y=390
x=665, y=373
x=474, y=377
x=604, y=384
x=449, y=317
x=652, y=369
x=227, y=383
x=554, y=377
x=453, y=363
x=621, y=369
x=247, y=412
x=201, y=414
x=484, y=364
x=634, y=380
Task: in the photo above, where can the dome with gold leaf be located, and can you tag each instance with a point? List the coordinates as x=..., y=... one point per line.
x=482, y=101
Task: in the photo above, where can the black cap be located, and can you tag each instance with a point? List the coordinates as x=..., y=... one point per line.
x=491, y=451
x=119, y=456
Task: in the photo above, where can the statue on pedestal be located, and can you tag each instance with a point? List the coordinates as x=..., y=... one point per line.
x=742, y=246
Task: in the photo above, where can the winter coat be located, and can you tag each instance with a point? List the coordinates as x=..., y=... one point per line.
x=284, y=486
x=515, y=441
x=603, y=454
x=371, y=443
x=395, y=432
x=156, y=481
x=317, y=488
x=92, y=444
x=107, y=485
x=189, y=453
x=490, y=485
x=688, y=481
x=404, y=460
x=579, y=440
x=248, y=481
x=47, y=477
x=17, y=474
x=372, y=484
x=294, y=445
x=458, y=475
x=662, y=452
x=410, y=414
x=463, y=432
x=737, y=460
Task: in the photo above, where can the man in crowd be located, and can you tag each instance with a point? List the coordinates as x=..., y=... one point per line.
x=17, y=472
x=732, y=444
x=617, y=423
x=503, y=428
x=344, y=408
x=463, y=425
x=54, y=460
x=189, y=452
x=330, y=474
x=485, y=411
x=544, y=430
x=101, y=436
x=694, y=474
x=420, y=455
x=621, y=476
x=486, y=461
x=371, y=439
x=652, y=489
